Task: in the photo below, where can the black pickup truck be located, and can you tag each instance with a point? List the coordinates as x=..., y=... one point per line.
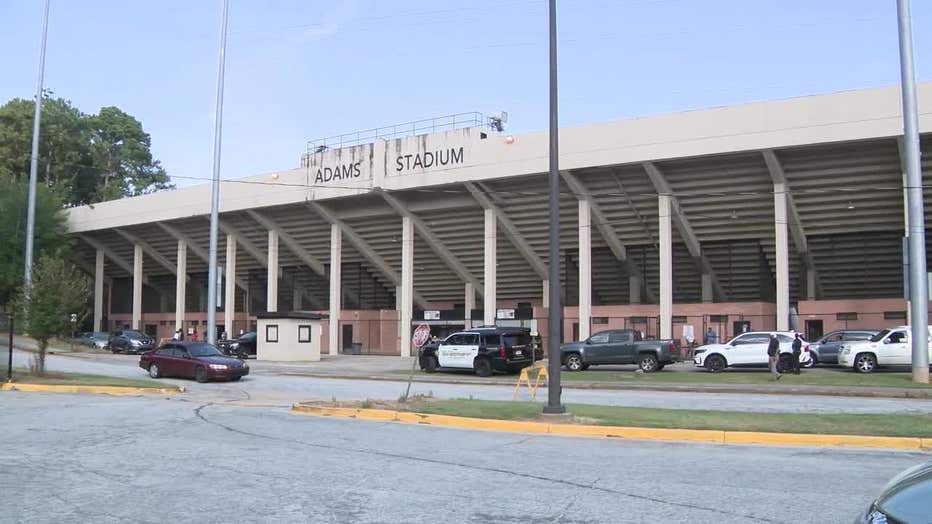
x=619, y=346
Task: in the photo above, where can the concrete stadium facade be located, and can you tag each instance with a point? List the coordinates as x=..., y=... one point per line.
x=759, y=215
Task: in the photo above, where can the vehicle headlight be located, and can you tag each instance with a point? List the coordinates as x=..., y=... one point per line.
x=218, y=366
x=875, y=517
x=699, y=351
x=234, y=345
x=135, y=342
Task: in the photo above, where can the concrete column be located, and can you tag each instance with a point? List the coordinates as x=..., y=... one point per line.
x=407, y=283
x=707, y=294
x=229, y=300
x=296, y=290
x=810, y=284
x=783, y=257
x=137, y=287
x=634, y=289
x=336, y=290
x=99, y=291
x=585, y=269
x=271, y=298
x=398, y=308
x=469, y=304
x=491, y=262
x=666, y=266
x=545, y=287
x=181, y=285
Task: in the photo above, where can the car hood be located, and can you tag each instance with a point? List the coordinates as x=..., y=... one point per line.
x=713, y=347
x=221, y=360
x=572, y=346
x=908, y=496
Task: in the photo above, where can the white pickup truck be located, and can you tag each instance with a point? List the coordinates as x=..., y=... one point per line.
x=890, y=347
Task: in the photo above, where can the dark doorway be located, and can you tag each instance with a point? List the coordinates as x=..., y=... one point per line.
x=347, y=337
x=814, y=330
x=151, y=329
x=575, y=331
x=741, y=326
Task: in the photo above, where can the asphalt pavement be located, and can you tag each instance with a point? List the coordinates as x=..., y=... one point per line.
x=90, y=458
x=269, y=387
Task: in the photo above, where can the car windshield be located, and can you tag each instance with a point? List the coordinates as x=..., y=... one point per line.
x=203, y=350
x=880, y=336
x=133, y=334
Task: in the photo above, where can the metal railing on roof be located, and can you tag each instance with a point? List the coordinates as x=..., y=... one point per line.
x=417, y=127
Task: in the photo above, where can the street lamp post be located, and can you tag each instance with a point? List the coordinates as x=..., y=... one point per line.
x=555, y=308
x=34, y=156
x=918, y=280
x=215, y=187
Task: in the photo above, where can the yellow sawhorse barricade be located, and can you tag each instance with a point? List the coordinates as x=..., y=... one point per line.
x=539, y=373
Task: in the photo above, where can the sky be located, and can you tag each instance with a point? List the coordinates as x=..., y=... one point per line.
x=298, y=70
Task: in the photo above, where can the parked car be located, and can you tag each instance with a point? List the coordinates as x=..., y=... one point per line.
x=618, y=346
x=889, y=347
x=240, y=347
x=130, y=341
x=749, y=350
x=906, y=499
x=825, y=350
x=484, y=350
x=198, y=360
x=98, y=339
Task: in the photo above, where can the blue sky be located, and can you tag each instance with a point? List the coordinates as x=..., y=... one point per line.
x=303, y=69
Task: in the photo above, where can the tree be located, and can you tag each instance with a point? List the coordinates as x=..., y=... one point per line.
x=58, y=291
x=49, y=231
x=88, y=158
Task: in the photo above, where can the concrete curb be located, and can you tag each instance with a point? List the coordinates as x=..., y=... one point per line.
x=664, y=434
x=832, y=391
x=104, y=390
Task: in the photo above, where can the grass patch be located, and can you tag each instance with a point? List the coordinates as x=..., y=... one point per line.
x=809, y=377
x=77, y=379
x=891, y=425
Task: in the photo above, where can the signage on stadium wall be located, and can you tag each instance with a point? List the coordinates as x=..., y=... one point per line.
x=403, y=156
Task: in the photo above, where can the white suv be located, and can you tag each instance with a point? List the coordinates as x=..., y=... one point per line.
x=890, y=347
x=748, y=350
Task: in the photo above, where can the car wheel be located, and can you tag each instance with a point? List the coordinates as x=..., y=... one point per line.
x=865, y=363
x=574, y=362
x=154, y=370
x=114, y=349
x=813, y=360
x=430, y=363
x=200, y=374
x=483, y=367
x=715, y=363
x=783, y=364
x=235, y=379
x=648, y=363
x=660, y=367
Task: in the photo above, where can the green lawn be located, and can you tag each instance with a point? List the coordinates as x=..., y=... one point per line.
x=894, y=425
x=812, y=377
x=78, y=379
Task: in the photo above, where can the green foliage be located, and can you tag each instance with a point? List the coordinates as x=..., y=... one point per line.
x=86, y=158
x=49, y=231
x=58, y=290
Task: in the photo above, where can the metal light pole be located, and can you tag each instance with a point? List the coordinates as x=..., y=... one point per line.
x=34, y=156
x=918, y=280
x=215, y=187
x=555, y=309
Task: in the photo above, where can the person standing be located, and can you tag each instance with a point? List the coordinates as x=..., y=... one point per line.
x=797, y=351
x=710, y=336
x=773, y=352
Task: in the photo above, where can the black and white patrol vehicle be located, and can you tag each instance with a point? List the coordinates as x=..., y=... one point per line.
x=484, y=350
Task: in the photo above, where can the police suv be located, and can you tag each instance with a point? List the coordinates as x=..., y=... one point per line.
x=484, y=350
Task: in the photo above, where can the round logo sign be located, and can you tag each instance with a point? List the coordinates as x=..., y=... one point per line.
x=421, y=335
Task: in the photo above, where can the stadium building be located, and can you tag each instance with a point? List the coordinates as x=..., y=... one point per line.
x=754, y=216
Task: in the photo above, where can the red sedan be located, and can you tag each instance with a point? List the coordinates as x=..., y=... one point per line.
x=197, y=360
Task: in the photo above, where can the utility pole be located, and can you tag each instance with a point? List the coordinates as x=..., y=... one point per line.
x=555, y=308
x=215, y=188
x=34, y=156
x=918, y=280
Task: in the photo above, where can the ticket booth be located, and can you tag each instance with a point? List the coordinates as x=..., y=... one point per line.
x=288, y=337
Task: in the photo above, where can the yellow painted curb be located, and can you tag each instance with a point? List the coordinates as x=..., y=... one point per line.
x=106, y=390
x=691, y=435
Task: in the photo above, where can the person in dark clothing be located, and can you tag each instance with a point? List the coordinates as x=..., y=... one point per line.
x=797, y=351
x=773, y=352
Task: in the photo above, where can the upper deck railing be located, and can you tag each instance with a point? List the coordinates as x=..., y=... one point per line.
x=417, y=127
